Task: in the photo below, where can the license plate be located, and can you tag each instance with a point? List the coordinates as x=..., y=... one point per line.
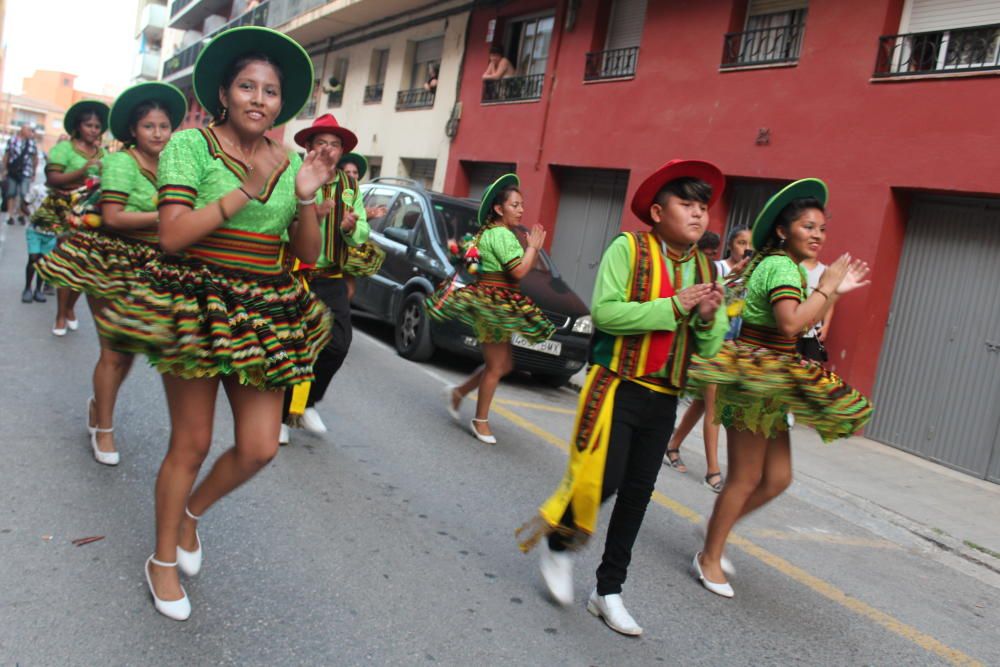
x=552, y=347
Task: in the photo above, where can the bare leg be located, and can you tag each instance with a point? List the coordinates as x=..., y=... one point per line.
x=71, y=298
x=747, y=452
x=62, y=299
x=710, y=431
x=471, y=384
x=257, y=419
x=110, y=372
x=690, y=418
x=192, y=410
x=499, y=362
x=777, y=474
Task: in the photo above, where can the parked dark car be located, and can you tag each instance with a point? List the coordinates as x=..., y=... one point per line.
x=414, y=232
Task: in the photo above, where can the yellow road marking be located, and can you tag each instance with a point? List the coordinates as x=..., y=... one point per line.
x=824, y=588
x=826, y=538
x=535, y=406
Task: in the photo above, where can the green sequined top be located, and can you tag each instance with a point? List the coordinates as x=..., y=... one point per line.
x=65, y=157
x=125, y=182
x=499, y=250
x=195, y=171
x=776, y=277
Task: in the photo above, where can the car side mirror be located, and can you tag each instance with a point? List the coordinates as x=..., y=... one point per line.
x=404, y=236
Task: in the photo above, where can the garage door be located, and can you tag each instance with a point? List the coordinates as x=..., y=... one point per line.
x=481, y=174
x=937, y=393
x=590, y=215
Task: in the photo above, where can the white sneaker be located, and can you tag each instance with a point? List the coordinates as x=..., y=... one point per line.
x=611, y=610
x=557, y=572
x=312, y=422
x=283, y=435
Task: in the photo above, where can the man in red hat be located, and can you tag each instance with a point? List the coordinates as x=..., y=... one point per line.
x=655, y=303
x=343, y=224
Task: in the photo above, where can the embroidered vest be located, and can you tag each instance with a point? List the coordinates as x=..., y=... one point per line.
x=335, y=248
x=639, y=355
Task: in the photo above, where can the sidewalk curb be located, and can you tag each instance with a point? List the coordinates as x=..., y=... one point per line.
x=929, y=534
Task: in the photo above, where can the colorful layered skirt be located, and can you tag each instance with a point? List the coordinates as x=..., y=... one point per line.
x=364, y=260
x=494, y=307
x=761, y=380
x=64, y=212
x=100, y=263
x=226, y=307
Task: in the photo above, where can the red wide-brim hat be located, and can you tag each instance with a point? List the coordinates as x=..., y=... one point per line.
x=327, y=124
x=645, y=196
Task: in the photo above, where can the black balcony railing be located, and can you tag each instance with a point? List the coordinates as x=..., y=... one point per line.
x=178, y=6
x=768, y=46
x=415, y=98
x=612, y=64
x=514, y=89
x=186, y=57
x=947, y=51
x=373, y=93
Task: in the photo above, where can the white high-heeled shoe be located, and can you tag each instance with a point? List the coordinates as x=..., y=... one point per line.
x=488, y=439
x=724, y=562
x=73, y=325
x=58, y=332
x=107, y=458
x=723, y=589
x=189, y=562
x=178, y=610
x=449, y=402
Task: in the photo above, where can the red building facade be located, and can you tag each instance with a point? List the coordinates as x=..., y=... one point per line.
x=762, y=108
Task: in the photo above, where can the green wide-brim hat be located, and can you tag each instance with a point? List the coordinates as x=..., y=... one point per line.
x=83, y=106
x=166, y=94
x=768, y=216
x=289, y=56
x=486, y=203
x=358, y=160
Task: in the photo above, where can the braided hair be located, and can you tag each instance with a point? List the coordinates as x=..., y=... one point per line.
x=774, y=245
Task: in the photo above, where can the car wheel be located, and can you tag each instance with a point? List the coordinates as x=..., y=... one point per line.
x=549, y=380
x=413, y=331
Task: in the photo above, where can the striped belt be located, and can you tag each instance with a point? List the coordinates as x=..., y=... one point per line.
x=761, y=336
x=497, y=279
x=241, y=251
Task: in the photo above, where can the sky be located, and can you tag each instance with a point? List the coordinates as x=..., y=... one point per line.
x=93, y=39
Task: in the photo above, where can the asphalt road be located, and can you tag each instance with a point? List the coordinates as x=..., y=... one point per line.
x=390, y=540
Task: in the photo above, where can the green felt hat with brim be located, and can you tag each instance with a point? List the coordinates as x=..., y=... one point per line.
x=806, y=188
x=166, y=94
x=358, y=160
x=288, y=55
x=486, y=203
x=83, y=106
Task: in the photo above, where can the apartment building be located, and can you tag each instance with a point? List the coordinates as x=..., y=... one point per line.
x=892, y=102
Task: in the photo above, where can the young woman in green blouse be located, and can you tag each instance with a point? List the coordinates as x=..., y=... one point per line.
x=102, y=262
x=760, y=377
x=73, y=165
x=220, y=309
x=494, y=306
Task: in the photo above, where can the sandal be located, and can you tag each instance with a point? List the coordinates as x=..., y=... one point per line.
x=717, y=487
x=675, y=463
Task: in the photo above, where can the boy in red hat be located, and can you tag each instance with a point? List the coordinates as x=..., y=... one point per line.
x=655, y=303
x=343, y=224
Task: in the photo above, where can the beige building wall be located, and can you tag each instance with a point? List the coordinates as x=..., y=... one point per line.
x=395, y=137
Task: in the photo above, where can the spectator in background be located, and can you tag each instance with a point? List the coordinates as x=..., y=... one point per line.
x=432, y=77
x=20, y=161
x=334, y=89
x=498, y=66
x=710, y=244
x=811, y=344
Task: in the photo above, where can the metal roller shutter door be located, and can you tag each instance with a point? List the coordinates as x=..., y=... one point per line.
x=934, y=15
x=762, y=7
x=937, y=392
x=590, y=216
x=625, y=26
x=481, y=174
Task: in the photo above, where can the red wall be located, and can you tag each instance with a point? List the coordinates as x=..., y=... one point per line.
x=871, y=142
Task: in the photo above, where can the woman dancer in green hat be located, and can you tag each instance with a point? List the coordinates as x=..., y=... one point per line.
x=761, y=379
x=494, y=306
x=221, y=308
x=102, y=262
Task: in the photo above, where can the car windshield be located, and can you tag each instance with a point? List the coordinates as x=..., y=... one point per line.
x=457, y=223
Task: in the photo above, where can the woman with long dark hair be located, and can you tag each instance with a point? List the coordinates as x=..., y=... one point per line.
x=761, y=380
x=72, y=173
x=494, y=306
x=221, y=309
x=102, y=262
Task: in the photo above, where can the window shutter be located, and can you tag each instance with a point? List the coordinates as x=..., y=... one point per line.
x=935, y=15
x=428, y=50
x=625, y=25
x=761, y=7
